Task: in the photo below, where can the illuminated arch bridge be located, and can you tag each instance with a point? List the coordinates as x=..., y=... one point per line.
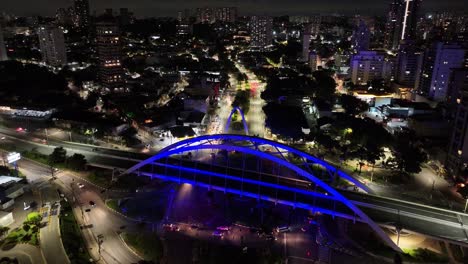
x=258, y=168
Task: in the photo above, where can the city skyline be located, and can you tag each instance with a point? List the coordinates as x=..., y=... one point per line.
x=149, y=8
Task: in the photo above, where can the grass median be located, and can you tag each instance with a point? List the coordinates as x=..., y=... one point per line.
x=147, y=245
x=72, y=238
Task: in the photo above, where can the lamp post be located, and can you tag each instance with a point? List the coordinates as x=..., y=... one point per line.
x=47, y=136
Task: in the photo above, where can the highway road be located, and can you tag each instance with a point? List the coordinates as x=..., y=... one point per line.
x=51, y=241
x=103, y=221
x=105, y=224
x=419, y=218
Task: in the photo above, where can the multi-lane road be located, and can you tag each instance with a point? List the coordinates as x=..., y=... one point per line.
x=99, y=220
x=419, y=218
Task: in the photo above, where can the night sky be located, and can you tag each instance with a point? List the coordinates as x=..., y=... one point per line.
x=144, y=8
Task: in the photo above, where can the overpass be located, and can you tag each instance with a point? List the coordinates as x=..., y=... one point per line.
x=271, y=171
x=431, y=221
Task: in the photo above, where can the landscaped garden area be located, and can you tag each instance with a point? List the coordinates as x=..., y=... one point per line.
x=28, y=233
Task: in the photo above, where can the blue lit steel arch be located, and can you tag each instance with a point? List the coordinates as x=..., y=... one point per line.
x=228, y=142
x=228, y=122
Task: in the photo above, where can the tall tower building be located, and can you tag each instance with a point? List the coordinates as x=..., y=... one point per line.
x=401, y=22
x=409, y=65
x=3, y=52
x=205, y=15
x=391, y=24
x=361, y=37
x=458, y=148
x=313, y=61
x=306, y=36
x=447, y=57
x=261, y=31
x=109, y=54
x=52, y=44
x=81, y=12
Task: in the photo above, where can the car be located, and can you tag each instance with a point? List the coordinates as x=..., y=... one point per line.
x=3, y=138
x=80, y=185
x=88, y=210
x=93, y=204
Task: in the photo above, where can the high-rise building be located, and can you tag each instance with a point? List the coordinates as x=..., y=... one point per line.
x=361, y=37
x=205, y=15
x=81, y=12
x=408, y=65
x=210, y=15
x=313, y=61
x=458, y=147
x=315, y=22
x=447, y=57
x=367, y=66
x=424, y=84
x=52, y=44
x=125, y=17
x=261, y=31
x=306, y=36
x=391, y=25
x=3, y=52
x=109, y=54
x=401, y=22
x=226, y=14
x=408, y=18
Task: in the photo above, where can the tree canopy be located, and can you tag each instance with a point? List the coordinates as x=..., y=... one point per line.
x=59, y=155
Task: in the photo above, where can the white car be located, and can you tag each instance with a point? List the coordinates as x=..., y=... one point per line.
x=80, y=185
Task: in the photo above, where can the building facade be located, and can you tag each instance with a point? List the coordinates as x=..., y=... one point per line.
x=409, y=65
x=52, y=44
x=109, y=53
x=401, y=22
x=458, y=148
x=447, y=57
x=81, y=14
x=306, y=37
x=361, y=37
x=261, y=31
x=3, y=52
x=367, y=66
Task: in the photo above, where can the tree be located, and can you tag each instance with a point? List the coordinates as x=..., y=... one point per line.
x=353, y=105
x=326, y=85
x=59, y=155
x=408, y=155
x=76, y=162
x=3, y=230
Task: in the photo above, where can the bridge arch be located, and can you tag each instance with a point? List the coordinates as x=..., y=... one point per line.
x=228, y=122
x=253, y=146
